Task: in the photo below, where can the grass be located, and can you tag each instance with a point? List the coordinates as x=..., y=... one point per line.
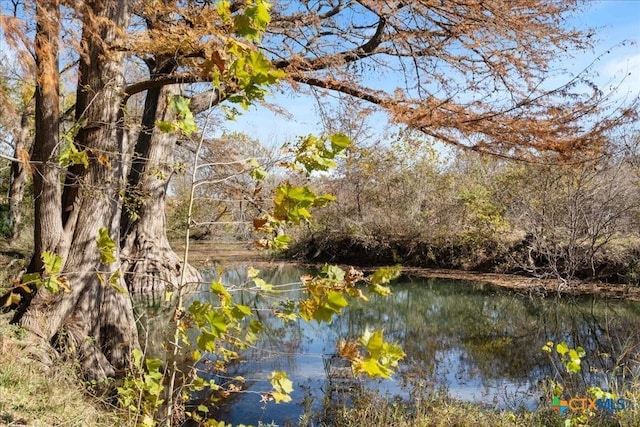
x=33, y=395
x=437, y=410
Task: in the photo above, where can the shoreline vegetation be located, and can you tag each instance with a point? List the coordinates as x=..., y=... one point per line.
x=31, y=396
x=206, y=253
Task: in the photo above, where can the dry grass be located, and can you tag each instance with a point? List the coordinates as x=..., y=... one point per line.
x=437, y=410
x=34, y=395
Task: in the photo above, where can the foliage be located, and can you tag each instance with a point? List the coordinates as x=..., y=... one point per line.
x=184, y=122
x=69, y=153
x=574, y=221
x=6, y=224
x=585, y=414
x=51, y=279
x=142, y=389
x=292, y=203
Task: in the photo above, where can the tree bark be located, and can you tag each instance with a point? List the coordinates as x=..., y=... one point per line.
x=93, y=320
x=47, y=192
x=19, y=174
x=148, y=261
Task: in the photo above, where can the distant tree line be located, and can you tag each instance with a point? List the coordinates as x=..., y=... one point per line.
x=405, y=202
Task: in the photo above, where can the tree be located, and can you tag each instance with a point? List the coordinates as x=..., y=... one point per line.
x=474, y=74
x=573, y=215
x=16, y=95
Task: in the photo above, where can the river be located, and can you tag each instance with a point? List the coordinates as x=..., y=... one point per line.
x=468, y=340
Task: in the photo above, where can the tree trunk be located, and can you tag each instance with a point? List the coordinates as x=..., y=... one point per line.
x=93, y=320
x=148, y=261
x=48, y=227
x=19, y=176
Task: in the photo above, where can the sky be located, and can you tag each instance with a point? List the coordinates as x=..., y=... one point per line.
x=615, y=21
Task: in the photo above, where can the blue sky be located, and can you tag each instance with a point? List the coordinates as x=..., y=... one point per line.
x=616, y=21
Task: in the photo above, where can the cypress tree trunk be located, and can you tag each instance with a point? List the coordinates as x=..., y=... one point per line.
x=94, y=319
x=148, y=261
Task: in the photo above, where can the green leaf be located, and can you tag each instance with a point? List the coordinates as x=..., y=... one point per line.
x=562, y=348
x=107, y=247
x=333, y=304
x=219, y=289
x=137, y=357
x=240, y=311
x=336, y=301
x=252, y=272
x=382, y=357
x=52, y=262
x=167, y=296
x=153, y=365
x=573, y=366
x=70, y=155
x=373, y=342
x=115, y=283
x=380, y=290
x=333, y=272
x=217, y=321
x=262, y=285
x=339, y=142
x=207, y=341
x=384, y=275
x=323, y=200
x=32, y=279
x=281, y=242
x=166, y=126
x=282, y=386
x=257, y=172
x=371, y=368
x=185, y=121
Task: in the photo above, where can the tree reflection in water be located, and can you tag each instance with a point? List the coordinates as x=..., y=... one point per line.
x=476, y=342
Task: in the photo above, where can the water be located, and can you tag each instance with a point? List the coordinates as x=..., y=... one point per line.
x=476, y=342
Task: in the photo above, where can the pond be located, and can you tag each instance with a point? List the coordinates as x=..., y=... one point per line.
x=473, y=341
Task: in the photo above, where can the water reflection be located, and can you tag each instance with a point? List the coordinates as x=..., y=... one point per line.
x=477, y=342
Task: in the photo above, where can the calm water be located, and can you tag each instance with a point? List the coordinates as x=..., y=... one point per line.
x=477, y=342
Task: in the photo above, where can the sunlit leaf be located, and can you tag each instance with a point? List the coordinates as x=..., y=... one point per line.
x=52, y=263
x=107, y=246
x=339, y=142
x=282, y=386
x=207, y=341
x=168, y=295
x=166, y=126
x=562, y=348
x=333, y=272
x=220, y=290
x=262, y=285
x=13, y=299
x=380, y=290
x=252, y=272
x=240, y=311
x=573, y=366
x=384, y=275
